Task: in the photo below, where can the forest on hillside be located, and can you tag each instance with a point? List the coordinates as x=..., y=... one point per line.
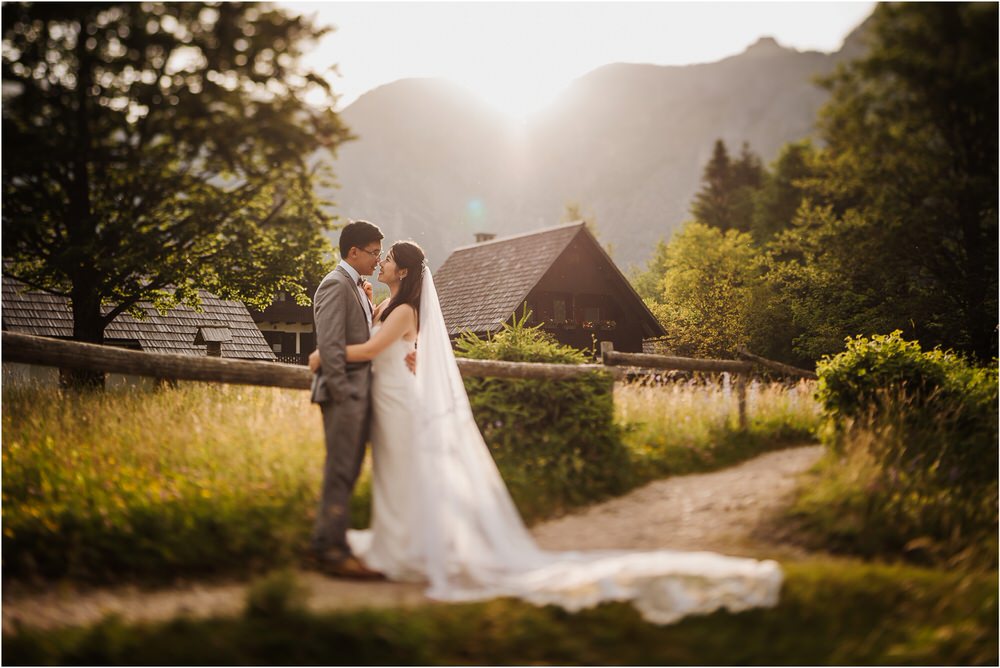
x=888, y=222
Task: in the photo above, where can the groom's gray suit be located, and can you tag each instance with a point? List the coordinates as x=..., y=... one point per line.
x=341, y=389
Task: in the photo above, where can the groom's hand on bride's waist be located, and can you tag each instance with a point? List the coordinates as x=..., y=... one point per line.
x=314, y=361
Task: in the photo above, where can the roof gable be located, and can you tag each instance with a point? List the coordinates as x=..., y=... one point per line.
x=629, y=300
x=40, y=313
x=480, y=286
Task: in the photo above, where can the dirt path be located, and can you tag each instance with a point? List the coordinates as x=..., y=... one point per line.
x=716, y=511
x=711, y=511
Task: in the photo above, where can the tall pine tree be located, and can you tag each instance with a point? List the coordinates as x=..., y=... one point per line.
x=725, y=200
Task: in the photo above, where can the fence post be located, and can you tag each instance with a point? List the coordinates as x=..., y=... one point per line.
x=741, y=398
x=606, y=347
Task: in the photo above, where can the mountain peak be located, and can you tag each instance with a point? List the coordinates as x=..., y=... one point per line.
x=765, y=46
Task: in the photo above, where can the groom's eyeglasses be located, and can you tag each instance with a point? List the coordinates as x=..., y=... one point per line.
x=377, y=254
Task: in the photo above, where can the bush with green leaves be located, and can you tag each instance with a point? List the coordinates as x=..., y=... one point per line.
x=886, y=378
x=912, y=469
x=556, y=443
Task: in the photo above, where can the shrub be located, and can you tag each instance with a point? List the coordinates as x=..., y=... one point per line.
x=886, y=380
x=556, y=444
x=913, y=463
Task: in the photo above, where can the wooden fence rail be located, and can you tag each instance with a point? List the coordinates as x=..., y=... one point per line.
x=783, y=369
x=89, y=357
x=614, y=358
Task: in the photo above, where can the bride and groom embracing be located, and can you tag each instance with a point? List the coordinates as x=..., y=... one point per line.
x=441, y=513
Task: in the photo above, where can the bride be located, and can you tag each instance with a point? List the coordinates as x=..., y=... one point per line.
x=441, y=513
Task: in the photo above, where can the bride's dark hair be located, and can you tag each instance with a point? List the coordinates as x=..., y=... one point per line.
x=407, y=255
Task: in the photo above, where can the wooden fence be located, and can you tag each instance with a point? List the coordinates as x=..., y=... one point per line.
x=89, y=357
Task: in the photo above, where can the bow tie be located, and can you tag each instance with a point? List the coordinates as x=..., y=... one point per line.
x=361, y=282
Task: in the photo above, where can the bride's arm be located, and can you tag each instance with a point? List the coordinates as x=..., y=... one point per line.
x=399, y=322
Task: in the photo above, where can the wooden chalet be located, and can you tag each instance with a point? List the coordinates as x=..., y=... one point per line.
x=568, y=282
x=224, y=328
x=288, y=328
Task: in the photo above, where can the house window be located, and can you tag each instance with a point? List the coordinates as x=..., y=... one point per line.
x=591, y=313
x=276, y=347
x=559, y=309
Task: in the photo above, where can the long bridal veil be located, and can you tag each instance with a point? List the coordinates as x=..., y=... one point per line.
x=470, y=541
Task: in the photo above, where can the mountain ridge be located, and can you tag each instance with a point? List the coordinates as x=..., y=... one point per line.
x=626, y=141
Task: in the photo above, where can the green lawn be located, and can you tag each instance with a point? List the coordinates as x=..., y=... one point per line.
x=831, y=612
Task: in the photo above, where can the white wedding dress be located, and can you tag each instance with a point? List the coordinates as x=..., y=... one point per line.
x=442, y=514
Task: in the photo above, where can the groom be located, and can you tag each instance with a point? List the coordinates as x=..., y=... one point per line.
x=343, y=315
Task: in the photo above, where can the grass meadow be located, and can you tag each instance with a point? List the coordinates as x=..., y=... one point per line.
x=215, y=479
x=203, y=480
x=687, y=426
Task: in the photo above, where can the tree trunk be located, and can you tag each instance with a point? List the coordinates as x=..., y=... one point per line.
x=88, y=327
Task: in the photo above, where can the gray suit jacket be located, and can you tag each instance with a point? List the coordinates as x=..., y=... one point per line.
x=340, y=320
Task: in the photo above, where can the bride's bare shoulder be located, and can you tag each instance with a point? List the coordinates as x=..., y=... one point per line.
x=403, y=310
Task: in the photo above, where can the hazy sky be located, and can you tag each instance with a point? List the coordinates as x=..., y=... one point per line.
x=519, y=55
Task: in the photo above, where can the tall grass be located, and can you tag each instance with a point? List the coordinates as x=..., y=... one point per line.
x=691, y=425
x=202, y=478
x=215, y=479
x=889, y=487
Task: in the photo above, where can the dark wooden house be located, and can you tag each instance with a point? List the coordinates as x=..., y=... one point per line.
x=568, y=282
x=288, y=328
x=223, y=328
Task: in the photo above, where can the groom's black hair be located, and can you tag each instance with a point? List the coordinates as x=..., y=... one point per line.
x=358, y=233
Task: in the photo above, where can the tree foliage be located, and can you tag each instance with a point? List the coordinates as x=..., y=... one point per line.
x=890, y=225
x=151, y=150
x=647, y=280
x=725, y=200
x=782, y=190
x=707, y=291
x=905, y=232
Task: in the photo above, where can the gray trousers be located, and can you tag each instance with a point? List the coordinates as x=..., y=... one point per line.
x=346, y=426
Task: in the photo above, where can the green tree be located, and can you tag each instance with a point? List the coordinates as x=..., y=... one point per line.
x=782, y=190
x=708, y=291
x=648, y=281
x=903, y=231
x=711, y=205
x=726, y=198
x=829, y=274
x=151, y=150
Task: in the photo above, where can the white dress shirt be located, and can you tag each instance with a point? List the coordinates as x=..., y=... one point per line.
x=355, y=276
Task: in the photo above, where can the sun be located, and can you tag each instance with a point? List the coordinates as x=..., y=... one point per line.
x=514, y=100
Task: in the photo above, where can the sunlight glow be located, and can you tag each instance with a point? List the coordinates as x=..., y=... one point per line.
x=519, y=56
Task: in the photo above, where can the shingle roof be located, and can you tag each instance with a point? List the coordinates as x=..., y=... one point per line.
x=480, y=286
x=44, y=314
x=213, y=335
